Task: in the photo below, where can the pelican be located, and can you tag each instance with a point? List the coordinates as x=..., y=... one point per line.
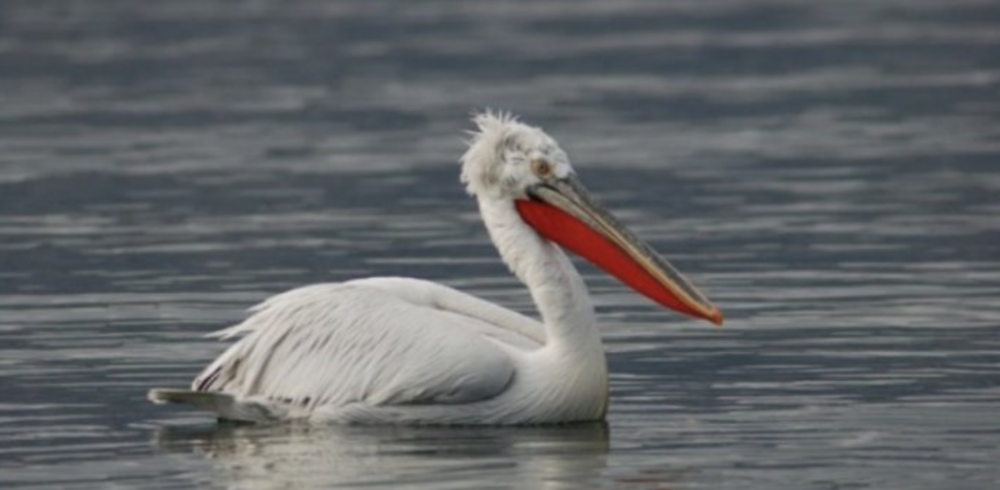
x=392, y=350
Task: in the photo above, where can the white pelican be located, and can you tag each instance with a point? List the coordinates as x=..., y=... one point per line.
x=391, y=350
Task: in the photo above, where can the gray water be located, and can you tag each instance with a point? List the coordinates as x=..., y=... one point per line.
x=829, y=172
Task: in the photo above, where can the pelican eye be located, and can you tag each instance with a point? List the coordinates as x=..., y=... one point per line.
x=542, y=168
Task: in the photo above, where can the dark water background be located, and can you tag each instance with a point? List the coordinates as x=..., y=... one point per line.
x=828, y=171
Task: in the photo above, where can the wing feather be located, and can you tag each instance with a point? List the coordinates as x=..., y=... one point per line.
x=386, y=341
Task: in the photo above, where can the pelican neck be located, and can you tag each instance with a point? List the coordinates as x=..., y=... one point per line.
x=556, y=287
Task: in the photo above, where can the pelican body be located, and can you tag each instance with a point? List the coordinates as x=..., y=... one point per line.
x=391, y=350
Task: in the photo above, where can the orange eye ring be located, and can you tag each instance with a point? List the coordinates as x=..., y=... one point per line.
x=541, y=168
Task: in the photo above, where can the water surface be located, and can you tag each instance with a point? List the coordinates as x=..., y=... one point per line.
x=827, y=172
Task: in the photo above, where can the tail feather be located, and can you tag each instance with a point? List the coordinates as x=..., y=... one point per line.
x=225, y=405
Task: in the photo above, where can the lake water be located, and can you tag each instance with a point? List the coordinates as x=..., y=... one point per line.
x=828, y=172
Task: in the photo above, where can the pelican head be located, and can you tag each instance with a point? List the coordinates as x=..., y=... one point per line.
x=510, y=161
x=506, y=157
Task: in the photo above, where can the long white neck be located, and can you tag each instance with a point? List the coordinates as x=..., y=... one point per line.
x=556, y=287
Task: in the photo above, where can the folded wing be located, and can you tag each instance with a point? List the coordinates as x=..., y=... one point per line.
x=384, y=341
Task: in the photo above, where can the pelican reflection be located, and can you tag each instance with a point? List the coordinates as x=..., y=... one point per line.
x=304, y=456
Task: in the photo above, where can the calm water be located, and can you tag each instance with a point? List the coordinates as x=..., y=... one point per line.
x=830, y=174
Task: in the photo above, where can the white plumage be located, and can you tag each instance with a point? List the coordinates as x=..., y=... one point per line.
x=407, y=351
